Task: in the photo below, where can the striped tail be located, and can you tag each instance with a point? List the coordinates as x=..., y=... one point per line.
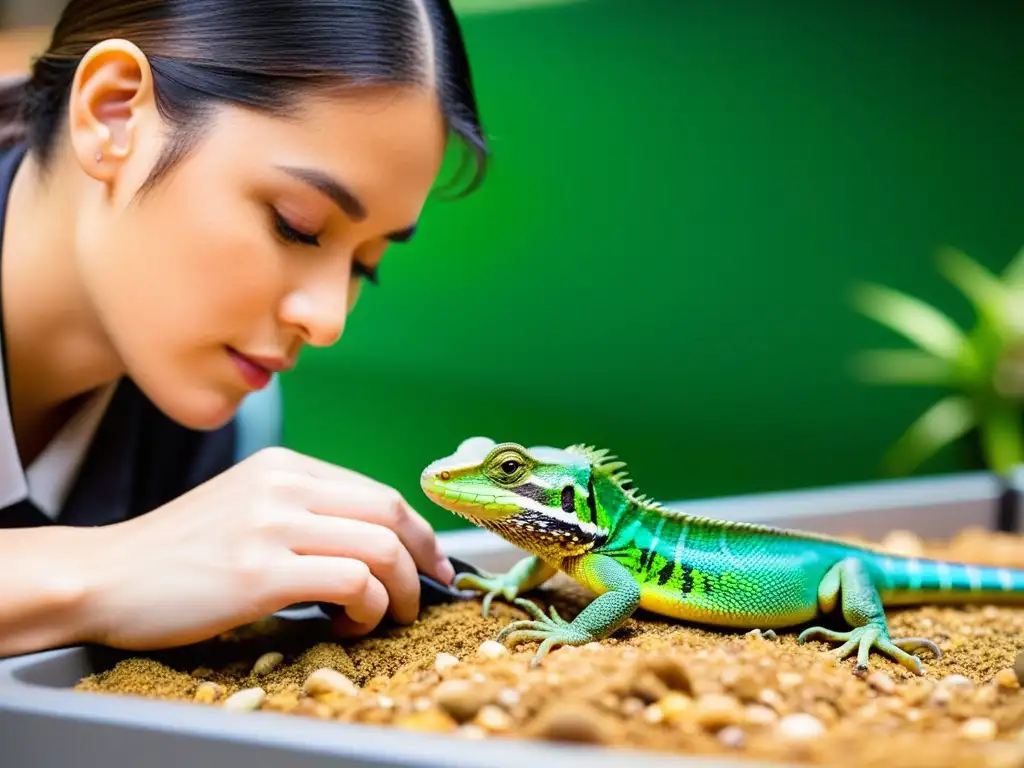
x=907, y=581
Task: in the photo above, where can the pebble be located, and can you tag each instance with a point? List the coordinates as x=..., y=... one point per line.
x=801, y=726
x=444, y=661
x=788, y=680
x=1007, y=678
x=717, y=710
x=207, y=693
x=461, y=698
x=1018, y=666
x=267, y=663
x=245, y=700
x=508, y=697
x=494, y=719
x=672, y=708
x=956, y=683
x=979, y=729
x=491, y=649
x=576, y=723
x=881, y=682
x=732, y=737
x=758, y=714
x=429, y=720
x=326, y=681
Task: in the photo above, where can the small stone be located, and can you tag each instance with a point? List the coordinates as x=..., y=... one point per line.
x=462, y=699
x=430, y=720
x=491, y=649
x=758, y=714
x=267, y=663
x=508, y=697
x=654, y=714
x=470, y=731
x=312, y=708
x=245, y=700
x=716, y=710
x=788, y=680
x=1007, y=678
x=574, y=723
x=881, y=682
x=283, y=701
x=978, y=729
x=444, y=661
x=494, y=719
x=1018, y=666
x=674, y=706
x=956, y=683
x=732, y=737
x=771, y=698
x=326, y=681
x=207, y=693
x=801, y=727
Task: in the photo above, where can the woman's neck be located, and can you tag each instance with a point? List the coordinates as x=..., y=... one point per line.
x=57, y=350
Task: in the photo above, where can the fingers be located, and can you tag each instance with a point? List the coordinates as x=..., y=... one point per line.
x=379, y=547
x=385, y=507
x=336, y=580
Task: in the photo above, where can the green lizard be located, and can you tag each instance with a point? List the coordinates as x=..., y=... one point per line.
x=575, y=510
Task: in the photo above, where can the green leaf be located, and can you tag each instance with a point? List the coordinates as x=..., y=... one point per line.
x=920, y=322
x=980, y=286
x=1001, y=437
x=945, y=422
x=903, y=366
x=1013, y=275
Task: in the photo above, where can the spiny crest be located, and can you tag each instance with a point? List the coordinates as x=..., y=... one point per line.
x=602, y=462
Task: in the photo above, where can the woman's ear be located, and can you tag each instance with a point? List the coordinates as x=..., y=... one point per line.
x=111, y=96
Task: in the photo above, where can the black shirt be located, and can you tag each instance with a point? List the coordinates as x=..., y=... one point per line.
x=137, y=460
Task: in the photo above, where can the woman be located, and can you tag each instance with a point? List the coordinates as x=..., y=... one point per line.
x=190, y=192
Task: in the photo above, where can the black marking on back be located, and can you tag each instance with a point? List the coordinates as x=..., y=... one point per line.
x=568, y=500
x=687, y=578
x=592, y=500
x=645, y=560
x=665, y=573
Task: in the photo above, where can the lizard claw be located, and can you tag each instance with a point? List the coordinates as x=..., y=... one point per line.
x=863, y=639
x=492, y=586
x=550, y=629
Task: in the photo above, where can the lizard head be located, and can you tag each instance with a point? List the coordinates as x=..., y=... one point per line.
x=540, y=499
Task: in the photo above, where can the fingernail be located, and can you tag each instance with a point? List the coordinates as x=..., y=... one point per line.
x=445, y=571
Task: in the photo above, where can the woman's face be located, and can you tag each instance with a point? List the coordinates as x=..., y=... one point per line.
x=255, y=244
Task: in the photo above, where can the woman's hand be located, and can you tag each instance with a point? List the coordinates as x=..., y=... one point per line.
x=276, y=529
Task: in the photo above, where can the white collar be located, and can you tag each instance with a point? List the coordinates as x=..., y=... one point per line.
x=48, y=479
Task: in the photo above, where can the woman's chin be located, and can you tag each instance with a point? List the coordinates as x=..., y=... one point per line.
x=199, y=409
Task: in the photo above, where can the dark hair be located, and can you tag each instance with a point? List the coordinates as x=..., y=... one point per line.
x=258, y=54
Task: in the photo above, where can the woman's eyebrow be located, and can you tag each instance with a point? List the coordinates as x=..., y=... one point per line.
x=342, y=197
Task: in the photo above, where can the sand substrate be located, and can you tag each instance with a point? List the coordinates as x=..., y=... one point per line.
x=655, y=685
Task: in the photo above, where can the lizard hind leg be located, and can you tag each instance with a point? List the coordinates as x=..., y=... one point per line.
x=849, y=581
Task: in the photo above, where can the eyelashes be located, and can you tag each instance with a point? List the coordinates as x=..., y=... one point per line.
x=292, y=235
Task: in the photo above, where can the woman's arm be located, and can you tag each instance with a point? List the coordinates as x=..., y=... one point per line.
x=44, y=587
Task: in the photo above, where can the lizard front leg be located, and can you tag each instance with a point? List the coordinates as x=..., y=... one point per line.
x=619, y=598
x=863, y=610
x=528, y=573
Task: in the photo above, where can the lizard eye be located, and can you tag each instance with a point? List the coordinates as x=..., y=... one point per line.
x=510, y=466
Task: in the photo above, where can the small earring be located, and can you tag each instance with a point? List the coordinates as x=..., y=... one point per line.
x=99, y=157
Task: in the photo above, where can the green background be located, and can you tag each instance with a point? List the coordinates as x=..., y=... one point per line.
x=681, y=197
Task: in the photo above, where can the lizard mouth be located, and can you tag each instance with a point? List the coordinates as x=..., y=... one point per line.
x=466, y=504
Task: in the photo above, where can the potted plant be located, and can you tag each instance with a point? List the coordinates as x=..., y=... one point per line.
x=982, y=369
